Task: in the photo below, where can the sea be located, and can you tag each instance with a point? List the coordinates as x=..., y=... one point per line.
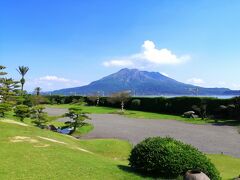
x=213, y=96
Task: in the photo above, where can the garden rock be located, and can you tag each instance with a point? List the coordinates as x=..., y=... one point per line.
x=189, y=114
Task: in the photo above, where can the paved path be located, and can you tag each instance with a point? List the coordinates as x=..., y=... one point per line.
x=207, y=138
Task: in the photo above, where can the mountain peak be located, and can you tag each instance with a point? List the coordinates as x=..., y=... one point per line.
x=141, y=83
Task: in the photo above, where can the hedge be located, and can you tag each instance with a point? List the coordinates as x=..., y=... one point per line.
x=175, y=105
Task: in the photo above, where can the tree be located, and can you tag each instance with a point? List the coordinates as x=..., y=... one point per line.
x=120, y=97
x=1, y=70
x=94, y=99
x=9, y=90
x=39, y=116
x=2, y=73
x=38, y=99
x=4, y=107
x=22, y=71
x=78, y=117
x=22, y=112
x=37, y=91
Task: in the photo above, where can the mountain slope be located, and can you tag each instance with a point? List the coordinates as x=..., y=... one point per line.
x=140, y=83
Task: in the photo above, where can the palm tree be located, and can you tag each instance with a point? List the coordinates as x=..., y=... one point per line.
x=37, y=90
x=22, y=71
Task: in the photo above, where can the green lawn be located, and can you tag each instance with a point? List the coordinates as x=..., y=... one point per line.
x=227, y=165
x=37, y=158
x=144, y=115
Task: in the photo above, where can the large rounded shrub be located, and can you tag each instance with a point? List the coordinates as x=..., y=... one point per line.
x=169, y=158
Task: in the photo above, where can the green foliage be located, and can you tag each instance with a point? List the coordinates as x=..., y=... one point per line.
x=39, y=116
x=57, y=99
x=78, y=101
x=22, y=71
x=231, y=111
x=38, y=99
x=37, y=91
x=4, y=107
x=94, y=99
x=169, y=158
x=22, y=112
x=78, y=117
x=2, y=73
x=120, y=98
x=174, y=106
x=9, y=90
x=135, y=103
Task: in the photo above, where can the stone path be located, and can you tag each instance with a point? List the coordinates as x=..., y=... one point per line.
x=207, y=138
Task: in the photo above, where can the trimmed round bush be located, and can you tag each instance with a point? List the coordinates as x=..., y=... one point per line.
x=169, y=158
x=135, y=103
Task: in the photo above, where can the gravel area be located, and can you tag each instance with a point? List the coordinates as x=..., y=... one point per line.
x=207, y=138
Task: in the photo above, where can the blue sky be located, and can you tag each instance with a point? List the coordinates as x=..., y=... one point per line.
x=69, y=43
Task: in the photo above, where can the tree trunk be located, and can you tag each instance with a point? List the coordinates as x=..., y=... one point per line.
x=122, y=106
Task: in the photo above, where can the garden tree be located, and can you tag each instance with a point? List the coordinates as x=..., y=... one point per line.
x=78, y=117
x=135, y=103
x=94, y=99
x=37, y=98
x=9, y=90
x=22, y=71
x=37, y=91
x=4, y=93
x=8, y=95
x=39, y=116
x=120, y=97
x=22, y=111
x=2, y=73
x=4, y=107
x=79, y=101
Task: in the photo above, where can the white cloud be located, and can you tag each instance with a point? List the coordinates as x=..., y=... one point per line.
x=149, y=56
x=196, y=81
x=165, y=74
x=54, y=78
x=51, y=82
x=221, y=84
x=235, y=86
x=121, y=63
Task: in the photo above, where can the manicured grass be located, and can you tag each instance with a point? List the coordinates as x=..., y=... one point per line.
x=42, y=159
x=88, y=109
x=86, y=128
x=229, y=167
x=32, y=159
x=135, y=114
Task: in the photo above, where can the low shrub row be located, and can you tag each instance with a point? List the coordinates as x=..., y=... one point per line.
x=57, y=99
x=219, y=108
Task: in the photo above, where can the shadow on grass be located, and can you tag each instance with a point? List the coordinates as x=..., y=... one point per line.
x=132, y=171
x=143, y=175
x=230, y=122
